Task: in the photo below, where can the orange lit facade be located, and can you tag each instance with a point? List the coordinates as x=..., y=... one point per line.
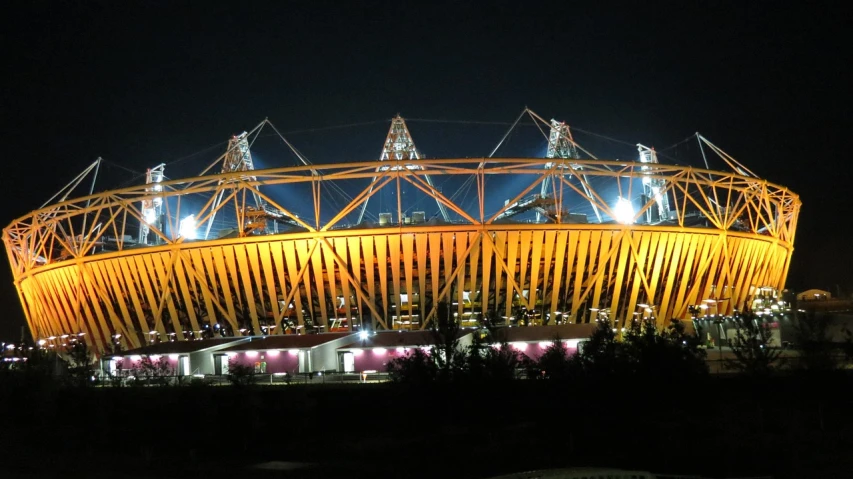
x=728, y=234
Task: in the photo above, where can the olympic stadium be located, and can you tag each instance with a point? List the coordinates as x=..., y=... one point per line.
x=562, y=237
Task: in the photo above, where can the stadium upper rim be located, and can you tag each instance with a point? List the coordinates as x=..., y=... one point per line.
x=571, y=189
x=362, y=170
x=752, y=205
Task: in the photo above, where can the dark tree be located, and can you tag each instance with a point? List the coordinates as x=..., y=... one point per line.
x=80, y=366
x=241, y=375
x=156, y=371
x=602, y=354
x=489, y=362
x=446, y=353
x=554, y=363
x=668, y=354
x=817, y=352
x=415, y=368
x=752, y=346
x=37, y=369
x=645, y=353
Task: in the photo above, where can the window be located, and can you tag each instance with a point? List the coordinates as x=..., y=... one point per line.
x=220, y=364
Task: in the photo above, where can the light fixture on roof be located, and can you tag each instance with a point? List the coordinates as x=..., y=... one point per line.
x=187, y=229
x=624, y=211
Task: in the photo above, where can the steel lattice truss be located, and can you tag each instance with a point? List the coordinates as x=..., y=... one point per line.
x=328, y=274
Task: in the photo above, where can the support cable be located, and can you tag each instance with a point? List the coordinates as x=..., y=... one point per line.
x=733, y=163
x=699, y=140
x=292, y=148
x=508, y=132
x=677, y=144
x=91, y=191
x=67, y=189
x=204, y=150
x=307, y=162
x=326, y=128
x=604, y=137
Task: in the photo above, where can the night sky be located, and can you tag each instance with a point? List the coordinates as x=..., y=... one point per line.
x=154, y=82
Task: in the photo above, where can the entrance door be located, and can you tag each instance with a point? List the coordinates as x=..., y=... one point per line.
x=220, y=364
x=348, y=360
x=304, y=362
x=185, y=366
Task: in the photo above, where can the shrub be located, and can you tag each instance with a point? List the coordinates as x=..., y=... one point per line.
x=554, y=363
x=241, y=375
x=484, y=362
x=752, y=346
x=670, y=353
x=416, y=367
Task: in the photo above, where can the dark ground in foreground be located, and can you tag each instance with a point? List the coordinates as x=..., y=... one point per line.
x=721, y=427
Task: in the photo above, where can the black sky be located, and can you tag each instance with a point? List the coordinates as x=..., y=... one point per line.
x=143, y=82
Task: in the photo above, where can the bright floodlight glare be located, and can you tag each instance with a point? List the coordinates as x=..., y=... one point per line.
x=362, y=335
x=187, y=230
x=624, y=211
x=150, y=216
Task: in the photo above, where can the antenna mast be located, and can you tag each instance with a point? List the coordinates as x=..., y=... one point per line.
x=653, y=187
x=238, y=157
x=400, y=146
x=152, y=208
x=562, y=145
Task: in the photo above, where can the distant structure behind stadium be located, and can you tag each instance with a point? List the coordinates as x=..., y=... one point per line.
x=568, y=238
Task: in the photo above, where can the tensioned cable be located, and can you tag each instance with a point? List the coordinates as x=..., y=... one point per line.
x=508, y=132
x=573, y=128
x=506, y=123
x=205, y=150
x=468, y=122
x=605, y=137
x=307, y=162
x=333, y=127
x=463, y=189
x=112, y=163
x=689, y=138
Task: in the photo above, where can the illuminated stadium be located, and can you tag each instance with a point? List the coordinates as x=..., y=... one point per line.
x=346, y=246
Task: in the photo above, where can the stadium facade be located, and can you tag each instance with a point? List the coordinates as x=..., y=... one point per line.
x=150, y=263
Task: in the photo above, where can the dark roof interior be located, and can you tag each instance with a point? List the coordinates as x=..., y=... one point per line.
x=177, y=347
x=545, y=333
x=287, y=341
x=394, y=339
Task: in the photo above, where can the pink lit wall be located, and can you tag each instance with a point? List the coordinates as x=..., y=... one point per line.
x=129, y=363
x=376, y=359
x=277, y=361
x=535, y=350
